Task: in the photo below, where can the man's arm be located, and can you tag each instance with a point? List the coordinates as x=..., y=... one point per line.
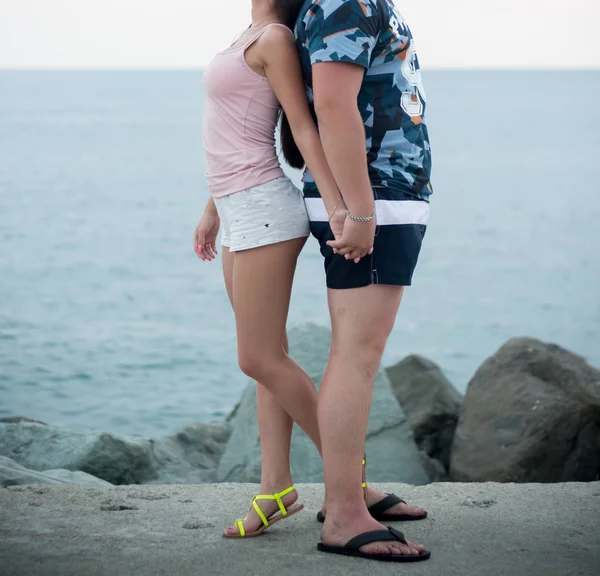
x=336, y=86
x=339, y=40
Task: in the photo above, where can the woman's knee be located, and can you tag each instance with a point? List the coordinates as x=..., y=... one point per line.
x=257, y=364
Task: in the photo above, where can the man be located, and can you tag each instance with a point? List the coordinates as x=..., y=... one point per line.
x=362, y=74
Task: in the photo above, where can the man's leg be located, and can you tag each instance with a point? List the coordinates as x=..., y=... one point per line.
x=361, y=321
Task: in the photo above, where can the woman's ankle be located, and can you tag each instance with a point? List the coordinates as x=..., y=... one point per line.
x=275, y=485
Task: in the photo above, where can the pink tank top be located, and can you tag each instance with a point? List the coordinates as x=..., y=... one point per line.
x=240, y=117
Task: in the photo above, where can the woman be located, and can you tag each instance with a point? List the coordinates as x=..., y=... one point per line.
x=265, y=226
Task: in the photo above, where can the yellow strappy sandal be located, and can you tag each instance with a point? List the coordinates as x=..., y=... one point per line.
x=283, y=513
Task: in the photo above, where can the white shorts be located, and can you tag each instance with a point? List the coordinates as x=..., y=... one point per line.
x=266, y=214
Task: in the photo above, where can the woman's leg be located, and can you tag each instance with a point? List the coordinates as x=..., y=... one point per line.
x=262, y=286
x=275, y=427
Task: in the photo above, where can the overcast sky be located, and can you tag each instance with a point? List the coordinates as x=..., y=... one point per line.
x=186, y=33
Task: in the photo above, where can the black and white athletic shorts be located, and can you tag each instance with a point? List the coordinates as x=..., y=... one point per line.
x=401, y=226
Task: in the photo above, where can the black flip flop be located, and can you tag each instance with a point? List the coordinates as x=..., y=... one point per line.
x=378, y=510
x=391, y=535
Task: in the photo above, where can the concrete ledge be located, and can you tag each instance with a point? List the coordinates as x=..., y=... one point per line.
x=473, y=529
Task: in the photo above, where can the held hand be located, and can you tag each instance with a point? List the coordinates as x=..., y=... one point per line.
x=205, y=237
x=356, y=240
x=336, y=222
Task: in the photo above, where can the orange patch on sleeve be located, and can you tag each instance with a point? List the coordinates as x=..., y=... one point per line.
x=363, y=6
x=340, y=32
x=417, y=120
x=403, y=51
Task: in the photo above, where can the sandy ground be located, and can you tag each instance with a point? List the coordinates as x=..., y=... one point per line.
x=473, y=529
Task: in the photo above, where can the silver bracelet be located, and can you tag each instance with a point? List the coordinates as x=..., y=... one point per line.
x=361, y=218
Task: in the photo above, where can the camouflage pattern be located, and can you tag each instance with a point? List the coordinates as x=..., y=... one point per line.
x=392, y=101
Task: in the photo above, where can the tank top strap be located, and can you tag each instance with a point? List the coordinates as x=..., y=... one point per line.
x=282, y=26
x=262, y=31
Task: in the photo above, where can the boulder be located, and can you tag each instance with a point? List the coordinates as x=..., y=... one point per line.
x=19, y=420
x=531, y=414
x=430, y=402
x=188, y=456
x=191, y=455
x=114, y=459
x=434, y=468
x=13, y=474
x=391, y=450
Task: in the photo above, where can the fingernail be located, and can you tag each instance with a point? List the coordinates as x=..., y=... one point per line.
x=200, y=248
x=371, y=251
x=347, y=256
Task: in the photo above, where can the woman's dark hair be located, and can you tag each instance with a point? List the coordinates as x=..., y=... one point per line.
x=288, y=11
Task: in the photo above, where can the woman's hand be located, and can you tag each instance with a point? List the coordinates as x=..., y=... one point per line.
x=205, y=237
x=336, y=221
x=353, y=240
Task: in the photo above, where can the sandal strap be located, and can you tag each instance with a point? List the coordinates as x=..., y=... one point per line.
x=277, y=497
x=389, y=535
x=260, y=513
x=240, y=526
x=388, y=502
x=364, y=464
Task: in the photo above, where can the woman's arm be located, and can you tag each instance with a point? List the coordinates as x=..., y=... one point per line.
x=205, y=235
x=282, y=68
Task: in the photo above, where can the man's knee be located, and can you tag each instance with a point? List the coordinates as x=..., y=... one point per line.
x=365, y=353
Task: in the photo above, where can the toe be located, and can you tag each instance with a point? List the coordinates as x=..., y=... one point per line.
x=416, y=548
x=375, y=548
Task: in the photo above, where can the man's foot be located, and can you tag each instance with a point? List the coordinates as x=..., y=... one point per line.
x=374, y=496
x=336, y=533
x=269, y=508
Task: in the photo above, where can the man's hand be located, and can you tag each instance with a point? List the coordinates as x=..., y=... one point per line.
x=353, y=240
x=205, y=237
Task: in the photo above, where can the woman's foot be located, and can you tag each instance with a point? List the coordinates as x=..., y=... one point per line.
x=269, y=508
x=340, y=530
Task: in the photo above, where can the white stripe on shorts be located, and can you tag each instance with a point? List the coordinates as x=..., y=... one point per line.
x=389, y=212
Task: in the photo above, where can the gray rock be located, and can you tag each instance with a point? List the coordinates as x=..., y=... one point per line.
x=391, y=450
x=430, y=402
x=114, y=459
x=13, y=474
x=19, y=420
x=531, y=414
x=188, y=456
x=77, y=477
x=434, y=468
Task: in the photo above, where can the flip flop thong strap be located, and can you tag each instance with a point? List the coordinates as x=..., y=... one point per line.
x=390, y=535
x=388, y=502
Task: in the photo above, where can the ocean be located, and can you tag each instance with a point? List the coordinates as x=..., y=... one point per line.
x=109, y=321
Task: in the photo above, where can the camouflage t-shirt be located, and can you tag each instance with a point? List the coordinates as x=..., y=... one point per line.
x=372, y=34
